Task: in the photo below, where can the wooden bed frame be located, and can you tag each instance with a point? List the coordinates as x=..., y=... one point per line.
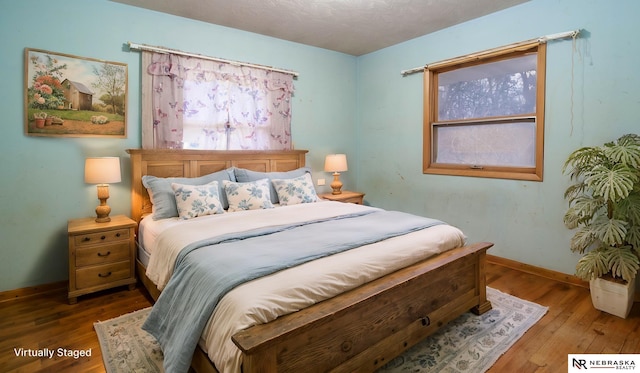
x=360, y=330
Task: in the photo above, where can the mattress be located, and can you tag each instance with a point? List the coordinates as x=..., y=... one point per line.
x=148, y=231
x=263, y=300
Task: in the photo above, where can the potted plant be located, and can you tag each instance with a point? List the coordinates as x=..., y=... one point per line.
x=40, y=119
x=604, y=208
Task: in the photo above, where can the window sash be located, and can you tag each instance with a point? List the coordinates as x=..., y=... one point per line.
x=480, y=144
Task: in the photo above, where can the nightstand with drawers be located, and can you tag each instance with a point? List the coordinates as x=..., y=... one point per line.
x=101, y=255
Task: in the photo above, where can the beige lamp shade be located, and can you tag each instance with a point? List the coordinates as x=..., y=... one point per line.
x=335, y=163
x=103, y=170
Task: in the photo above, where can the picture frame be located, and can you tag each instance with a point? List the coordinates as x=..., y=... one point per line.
x=71, y=96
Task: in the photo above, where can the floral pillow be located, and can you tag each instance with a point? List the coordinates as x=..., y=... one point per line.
x=197, y=200
x=248, y=196
x=162, y=195
x=296, y=190
x=243, y=175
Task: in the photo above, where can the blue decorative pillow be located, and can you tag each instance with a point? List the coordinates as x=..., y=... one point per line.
x=244, y=175
x=163, y=198
x=296, y=190
x=248, y=196
x=197, y=200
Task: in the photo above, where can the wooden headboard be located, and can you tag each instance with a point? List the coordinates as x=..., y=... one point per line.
x=194, y=163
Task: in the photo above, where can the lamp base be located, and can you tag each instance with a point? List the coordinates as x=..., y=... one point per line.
x=103, y=220
x=103, y=210
x=336, y=184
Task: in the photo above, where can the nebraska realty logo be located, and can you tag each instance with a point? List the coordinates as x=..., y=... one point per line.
x=603, y=363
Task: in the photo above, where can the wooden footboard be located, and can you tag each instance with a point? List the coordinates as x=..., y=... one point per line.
x=363, y=329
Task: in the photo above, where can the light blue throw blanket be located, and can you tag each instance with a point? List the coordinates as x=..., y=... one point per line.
x=206, y=270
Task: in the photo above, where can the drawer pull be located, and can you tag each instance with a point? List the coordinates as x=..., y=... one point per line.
x=86, y=239
x=103, y=237
x=103, y=255
x=117, y=234
x=104, y=275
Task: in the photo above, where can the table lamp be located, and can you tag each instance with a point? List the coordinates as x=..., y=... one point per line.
x=102, y=171
x=335, y=163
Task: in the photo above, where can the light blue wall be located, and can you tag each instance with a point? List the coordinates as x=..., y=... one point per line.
x=361, y=106
x=43, y=183
x=592, y=96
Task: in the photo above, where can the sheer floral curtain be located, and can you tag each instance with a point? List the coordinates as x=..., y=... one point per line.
x=203, y=104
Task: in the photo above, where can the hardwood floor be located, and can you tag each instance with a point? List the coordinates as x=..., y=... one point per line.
x=571, y=325
x=50, y=322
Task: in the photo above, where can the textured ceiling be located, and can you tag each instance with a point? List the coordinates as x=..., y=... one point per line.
x=354, y=27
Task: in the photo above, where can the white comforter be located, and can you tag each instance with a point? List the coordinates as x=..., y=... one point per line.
x=263, y=300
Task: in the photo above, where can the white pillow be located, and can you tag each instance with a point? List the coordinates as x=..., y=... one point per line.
x=248, y=196
x=297, y=190
x=197, y=200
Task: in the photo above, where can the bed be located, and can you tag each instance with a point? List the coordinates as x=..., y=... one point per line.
x=358, y=329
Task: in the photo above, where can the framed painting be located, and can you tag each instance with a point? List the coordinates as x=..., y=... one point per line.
x=70, y=96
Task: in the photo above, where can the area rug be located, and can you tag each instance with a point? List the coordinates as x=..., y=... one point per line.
x=125, y=347
x=468, y=344
x=471, y=343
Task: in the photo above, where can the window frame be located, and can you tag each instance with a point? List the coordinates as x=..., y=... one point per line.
x=430, y=108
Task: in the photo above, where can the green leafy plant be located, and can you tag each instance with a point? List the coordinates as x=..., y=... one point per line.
x=604, y=208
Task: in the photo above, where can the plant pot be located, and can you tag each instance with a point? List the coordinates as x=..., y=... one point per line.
x=40, y=122
x=612, y=297
x=48, y=121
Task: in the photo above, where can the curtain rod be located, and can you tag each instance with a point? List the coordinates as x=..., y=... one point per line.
x=540, y=40
x=144, y=47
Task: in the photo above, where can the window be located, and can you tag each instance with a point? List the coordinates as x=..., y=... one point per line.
x=195, y=103
x=484, y=115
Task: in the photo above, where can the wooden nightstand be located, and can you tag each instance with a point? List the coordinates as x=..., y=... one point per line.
x=101, y=255
x=345, y=196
